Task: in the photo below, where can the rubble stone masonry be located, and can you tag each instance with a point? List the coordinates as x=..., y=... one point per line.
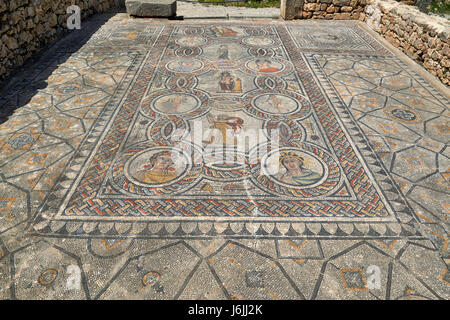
x=333, y=9
x=28, y=25
x=422, y=37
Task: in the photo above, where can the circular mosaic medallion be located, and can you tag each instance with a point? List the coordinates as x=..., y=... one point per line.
x=262, y=65
x=294, y=168
x=191, y=41
x=184, y=65
x=175, y=103
x=265, y=66
x=275, y=104
x=284, y=104
x=301, y=171
x=149, y=169
x=190, y=104
x=258, y=41
x=157, y=166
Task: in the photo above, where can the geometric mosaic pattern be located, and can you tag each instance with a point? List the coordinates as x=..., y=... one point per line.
x=268, y=71
x=349, y=102
x=340, y=39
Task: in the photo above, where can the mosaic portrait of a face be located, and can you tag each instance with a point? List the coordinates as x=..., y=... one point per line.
x=298, y=169
x=155, y=167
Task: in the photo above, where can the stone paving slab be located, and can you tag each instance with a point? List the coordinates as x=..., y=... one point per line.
x=79, y=191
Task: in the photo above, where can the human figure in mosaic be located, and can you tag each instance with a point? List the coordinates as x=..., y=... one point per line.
x=276, y=104
x=264, y=65
x=228, y=83
x=222, y=52
x=296, y=173
x=224, y=123
x=159, y=169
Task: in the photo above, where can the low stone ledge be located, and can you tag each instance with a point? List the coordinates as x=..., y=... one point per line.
x=422, y=37
x=151, y=8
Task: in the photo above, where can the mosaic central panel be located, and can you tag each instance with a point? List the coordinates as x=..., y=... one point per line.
x=227, y=129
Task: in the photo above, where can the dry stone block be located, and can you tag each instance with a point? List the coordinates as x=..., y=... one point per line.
x=151, y=8
x=341, y=2
x=311, y=6
x=346, y=9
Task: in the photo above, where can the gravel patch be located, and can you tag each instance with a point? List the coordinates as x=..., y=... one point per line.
x=197, y=11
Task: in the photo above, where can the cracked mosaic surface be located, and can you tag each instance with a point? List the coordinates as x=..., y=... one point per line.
x=78, y=186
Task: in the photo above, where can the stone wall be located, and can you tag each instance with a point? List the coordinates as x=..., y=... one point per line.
x=28, y=25
x=323, y=9
x=423, y=37
x=333, y=9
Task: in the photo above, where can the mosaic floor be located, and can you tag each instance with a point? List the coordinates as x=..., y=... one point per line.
x=227, y=160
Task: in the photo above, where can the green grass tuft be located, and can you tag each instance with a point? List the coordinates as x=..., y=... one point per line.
x=440, y=6
x=247, y=4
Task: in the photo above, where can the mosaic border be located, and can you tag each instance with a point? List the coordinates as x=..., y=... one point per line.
x=238, y=229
